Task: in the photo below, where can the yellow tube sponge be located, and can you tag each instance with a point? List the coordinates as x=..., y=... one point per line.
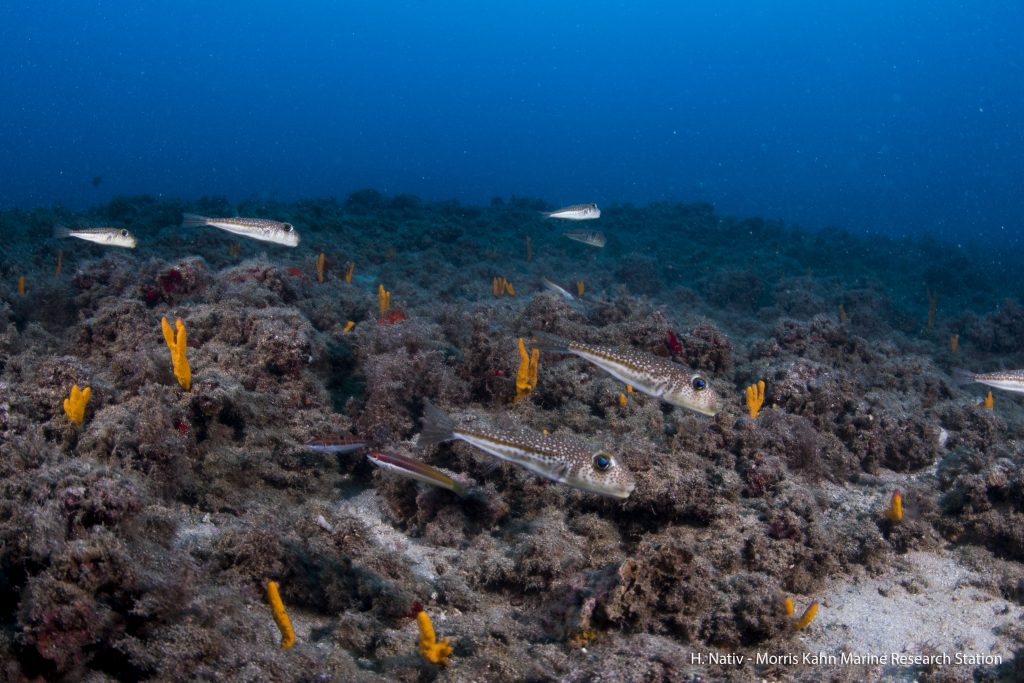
x=284, y=624
x=321, y=261
x=432, y=650
x=895, y=511
x=383, y=300
x=807, y=618
x=177, y=343
x=74, y=405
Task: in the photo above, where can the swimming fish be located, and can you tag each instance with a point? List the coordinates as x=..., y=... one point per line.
x=653, y=375
x=564, y=459
x=262, y=229
x=576, y=212
x=594, y=239
x=414, y=469
x=334, y=445
x=110, y=237
x=557, y=290
x=1007, y=380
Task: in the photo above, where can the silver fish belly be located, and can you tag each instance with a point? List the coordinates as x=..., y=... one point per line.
x=593, y=239
x=557, y=290
x=332, y=445
x=1008, y=380
x=576, y=212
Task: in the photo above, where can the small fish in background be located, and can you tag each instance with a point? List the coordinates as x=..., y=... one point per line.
x=1007, y=380
x=97, y=181
x=559, y=458
x=557, y=290
x=593, y=239
x=334, y=445
x=262, y=229
x=414, y=469
x=653, y=375
x=108, y=237
x=576, y=212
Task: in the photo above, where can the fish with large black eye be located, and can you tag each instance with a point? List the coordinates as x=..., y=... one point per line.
x=653, y=375
x=262, y=229
x=558, y=457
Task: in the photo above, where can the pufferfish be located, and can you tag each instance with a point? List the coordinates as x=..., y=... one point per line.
x=653, y=375
x=565, y=459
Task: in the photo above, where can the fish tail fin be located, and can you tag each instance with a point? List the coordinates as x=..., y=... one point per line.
x=546, y=214
x=60, y=232
x=193, y=220
x=961, y=376
x=557, y=289
x=437, y=426
x=545, y=341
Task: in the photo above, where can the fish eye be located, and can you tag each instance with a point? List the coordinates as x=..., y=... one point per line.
x=288, y=227
x=124, y=233
x=602, y=463
x=699, y=383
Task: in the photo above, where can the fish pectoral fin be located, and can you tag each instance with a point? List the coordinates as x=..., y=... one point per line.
x=561, y=472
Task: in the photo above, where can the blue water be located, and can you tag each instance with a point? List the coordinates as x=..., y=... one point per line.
x=870, y=116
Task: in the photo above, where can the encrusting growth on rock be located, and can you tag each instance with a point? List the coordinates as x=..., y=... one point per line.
x=432, y=650
x=284, y=624
x=74, y=405
x=177, y=344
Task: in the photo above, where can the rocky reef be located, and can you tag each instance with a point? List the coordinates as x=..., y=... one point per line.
x=137, y=545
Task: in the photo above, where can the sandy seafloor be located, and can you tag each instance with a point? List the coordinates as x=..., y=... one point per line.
x=136, y=547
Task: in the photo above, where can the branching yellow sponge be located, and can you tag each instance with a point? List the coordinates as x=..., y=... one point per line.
x=177, y=343
x=529, y=365
x=755, y=398
x=74, y=405
x=431, y=649
x=284, y=624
